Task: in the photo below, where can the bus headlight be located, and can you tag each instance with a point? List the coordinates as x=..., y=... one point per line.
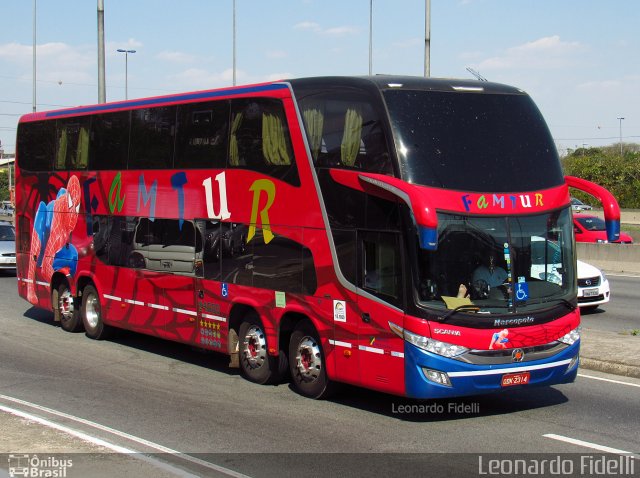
x=572, y=337
x=434, y=346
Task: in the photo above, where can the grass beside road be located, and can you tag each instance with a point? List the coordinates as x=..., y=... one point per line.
x=633, y=230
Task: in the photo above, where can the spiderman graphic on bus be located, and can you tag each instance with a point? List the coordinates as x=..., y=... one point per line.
x=53, y=223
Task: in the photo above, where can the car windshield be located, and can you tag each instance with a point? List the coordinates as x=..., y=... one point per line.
x=499, y=264
x=591, y=223
x=7, y=233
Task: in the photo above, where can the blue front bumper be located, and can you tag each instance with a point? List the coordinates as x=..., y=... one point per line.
x=469, y=379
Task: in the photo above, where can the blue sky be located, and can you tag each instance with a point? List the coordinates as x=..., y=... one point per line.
x=578, y=59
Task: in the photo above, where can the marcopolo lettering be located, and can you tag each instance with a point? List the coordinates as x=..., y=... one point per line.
x=516, y=321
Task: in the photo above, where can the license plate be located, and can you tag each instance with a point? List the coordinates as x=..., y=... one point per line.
x=511, y=379
x=590, y=292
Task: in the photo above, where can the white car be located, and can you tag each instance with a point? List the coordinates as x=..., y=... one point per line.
x=593, y=286
x=578, y=205
x=7, y=246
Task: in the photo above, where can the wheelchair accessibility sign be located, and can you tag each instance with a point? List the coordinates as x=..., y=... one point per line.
x=522, y=291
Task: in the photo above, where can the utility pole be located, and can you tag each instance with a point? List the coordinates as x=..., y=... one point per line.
x=234, y=42
x=34, y=55
x=102, y=94
x=370, y=37
x=427, y=39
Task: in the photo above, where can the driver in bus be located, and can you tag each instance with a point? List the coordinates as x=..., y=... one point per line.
x=484, y=278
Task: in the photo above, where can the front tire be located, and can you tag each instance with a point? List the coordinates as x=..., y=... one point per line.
x=64, y=309
x=91, y=312
x=307, y=363
x=256, y=365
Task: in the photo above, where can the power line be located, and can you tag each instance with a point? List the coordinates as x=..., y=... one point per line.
x=28, y=103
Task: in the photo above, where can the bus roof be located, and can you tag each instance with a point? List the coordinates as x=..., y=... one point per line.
x=383, y=82
x=379, y=82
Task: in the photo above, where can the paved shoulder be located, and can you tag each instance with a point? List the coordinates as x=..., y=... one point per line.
x=610, y=352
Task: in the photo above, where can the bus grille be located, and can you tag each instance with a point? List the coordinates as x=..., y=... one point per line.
x=503, y=356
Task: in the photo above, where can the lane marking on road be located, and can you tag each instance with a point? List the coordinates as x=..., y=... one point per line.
x=587, y=444
x=609, y=380
x=96, y=441
x=113, y=431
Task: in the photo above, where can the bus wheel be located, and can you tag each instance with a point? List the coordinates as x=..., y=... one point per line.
x=256, y=365
x=64, y=310
x=91, y=312
x=306, y=363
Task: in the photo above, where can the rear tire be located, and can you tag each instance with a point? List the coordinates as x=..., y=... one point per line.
x=64, y=310
x=256, y=365
x=307, y=363
x=91, y=312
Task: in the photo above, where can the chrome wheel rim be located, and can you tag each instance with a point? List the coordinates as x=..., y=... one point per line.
x=92, y=311
x=309, y=359
x=65, y=305
x=254, y=347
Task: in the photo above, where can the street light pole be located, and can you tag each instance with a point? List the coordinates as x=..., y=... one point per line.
x=126, y=71
x=620, y=118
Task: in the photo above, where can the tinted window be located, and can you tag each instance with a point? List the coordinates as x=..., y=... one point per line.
x=259, y=139
x=110, y=141
x=344, y=130
x=381, y=269
x=36, y=145
x=152, y=138
x=210, y=233
x=472, y=142
x=345, y=242
x=202, y=137
x=72, y=143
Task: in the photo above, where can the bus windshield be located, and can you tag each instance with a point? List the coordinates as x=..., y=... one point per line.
x=472, y=141
x=500, y=264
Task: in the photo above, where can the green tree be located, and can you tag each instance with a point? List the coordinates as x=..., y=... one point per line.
x=4, y=185
x=606, y=167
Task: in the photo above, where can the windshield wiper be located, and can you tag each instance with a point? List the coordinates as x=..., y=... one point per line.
x=569, y=304
x=460, y=308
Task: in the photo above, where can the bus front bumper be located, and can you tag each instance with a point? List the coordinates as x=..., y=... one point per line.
x=424, y=370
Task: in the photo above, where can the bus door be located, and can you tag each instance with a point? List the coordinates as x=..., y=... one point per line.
x=381, y=278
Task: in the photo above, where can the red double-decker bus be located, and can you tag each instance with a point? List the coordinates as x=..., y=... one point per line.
x=408, y=235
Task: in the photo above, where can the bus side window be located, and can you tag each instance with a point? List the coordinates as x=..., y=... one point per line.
x=344, y=130
x=72, y=143
x=260, y=140
x=381, y=269
x=36, y=145
x=152, y=138
x=110, y=141
x=202, y=136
